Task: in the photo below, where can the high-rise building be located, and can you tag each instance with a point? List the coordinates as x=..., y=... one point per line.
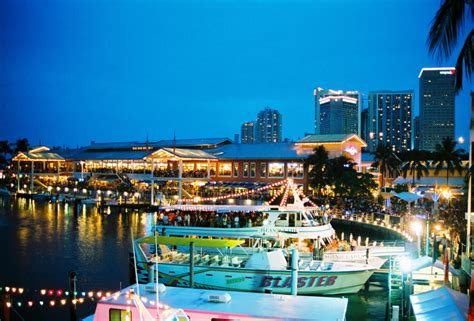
x=416, y=130
x=337, y=112
x=390, y=119
x=248, y=132
x=269, y=126
x=437, y=96
x=364, y=127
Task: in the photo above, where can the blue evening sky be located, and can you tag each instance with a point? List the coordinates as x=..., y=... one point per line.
x=72, y=71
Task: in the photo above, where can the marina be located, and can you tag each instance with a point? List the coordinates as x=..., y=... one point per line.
x=56, y=228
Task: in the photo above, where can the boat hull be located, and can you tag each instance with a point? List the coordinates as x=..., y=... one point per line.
x=251, y=280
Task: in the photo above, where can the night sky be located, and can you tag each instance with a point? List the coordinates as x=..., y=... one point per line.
x=110, y=70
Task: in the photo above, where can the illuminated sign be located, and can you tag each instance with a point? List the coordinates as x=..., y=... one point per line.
x=447, y=72
x=351, y=150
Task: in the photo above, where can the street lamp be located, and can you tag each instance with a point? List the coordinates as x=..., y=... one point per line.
x=417, y=228
x=406, y=268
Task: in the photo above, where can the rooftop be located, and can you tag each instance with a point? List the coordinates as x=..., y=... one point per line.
x=257, y=151
x=271, y=306
x=332, y=138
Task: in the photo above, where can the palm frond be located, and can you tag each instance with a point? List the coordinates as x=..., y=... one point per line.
x=446, y=27
x=465, y=61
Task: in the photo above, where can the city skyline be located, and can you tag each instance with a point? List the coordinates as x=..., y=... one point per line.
x=80, y=73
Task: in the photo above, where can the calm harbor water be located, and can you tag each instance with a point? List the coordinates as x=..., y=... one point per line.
x=42, y=242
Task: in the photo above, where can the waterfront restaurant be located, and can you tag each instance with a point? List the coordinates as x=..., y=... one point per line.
x=194, y=162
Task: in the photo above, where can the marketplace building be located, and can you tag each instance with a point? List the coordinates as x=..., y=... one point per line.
x=182, y=165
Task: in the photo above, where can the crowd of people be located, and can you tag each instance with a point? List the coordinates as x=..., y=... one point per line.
x=211, y=219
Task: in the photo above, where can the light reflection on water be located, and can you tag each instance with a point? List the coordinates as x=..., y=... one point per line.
x=42, y=242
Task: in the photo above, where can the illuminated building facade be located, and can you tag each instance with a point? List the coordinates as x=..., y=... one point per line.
x=268, y=128
x=248, y=132
x=337, y=112
x=416, y=131
x=437, y=103
x=390, y=119
x=191, y=162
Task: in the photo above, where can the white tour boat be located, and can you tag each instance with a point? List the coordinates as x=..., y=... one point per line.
x=260, y=271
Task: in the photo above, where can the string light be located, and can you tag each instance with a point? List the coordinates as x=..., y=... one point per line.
x=234, y=195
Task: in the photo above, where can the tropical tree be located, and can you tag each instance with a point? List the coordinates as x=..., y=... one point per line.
x=447, y=26
x=317, y=164
x=415, y=163
x=21, y=145
x=447, y=156
x=386, y=161
x=5, y=148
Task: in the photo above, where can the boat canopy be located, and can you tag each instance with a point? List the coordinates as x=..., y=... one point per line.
x=186, y=241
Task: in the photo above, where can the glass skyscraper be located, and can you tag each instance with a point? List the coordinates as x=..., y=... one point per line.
x=437, y=97
x=337, y=111
x=248, y=132
x=390, y=119
x=269, y=126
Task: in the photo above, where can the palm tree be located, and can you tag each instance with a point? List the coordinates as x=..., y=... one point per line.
x=448, y=156
x=5, y=148
x=21, y=145
x=386, y=161
x=416, y=164
x=317, y=164
x=447, y=26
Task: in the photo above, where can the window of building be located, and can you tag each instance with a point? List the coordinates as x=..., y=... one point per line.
x=213, y=169
x=120, y=315
x=263, y=169
x=276, y=170
x=253, y=169
x=236, y=169
x=225, y=169
x=245, y=170
x=295, y=170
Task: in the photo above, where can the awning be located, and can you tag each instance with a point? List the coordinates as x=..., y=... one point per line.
x=185, y=241
x=408, y=196
x=439, y=305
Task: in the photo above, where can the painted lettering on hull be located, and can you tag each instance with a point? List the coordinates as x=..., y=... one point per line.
x=303, y=281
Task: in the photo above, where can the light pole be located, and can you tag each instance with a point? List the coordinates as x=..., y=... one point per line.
x=405, y=267
x=417, y=228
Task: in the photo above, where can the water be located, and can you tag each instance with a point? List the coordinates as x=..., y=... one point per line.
x=41, y=243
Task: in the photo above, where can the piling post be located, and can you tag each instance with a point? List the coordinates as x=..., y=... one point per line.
x=6, y=309
x=151, y=273
x=294, y=271
x=191, y=264
x=72, y=296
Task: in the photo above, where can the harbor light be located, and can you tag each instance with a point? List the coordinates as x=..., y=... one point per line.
x=125, y=194
x=447, y=194
x=58, y=188
x=66, y=189
x=84, y=191
x=49, y=189
x=109, y=192
x=75, y=190
x=405, y=264
x=416, y=227
x=438, y=227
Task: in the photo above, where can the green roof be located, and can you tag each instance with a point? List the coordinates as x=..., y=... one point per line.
x=330, y=138
x=185, y=241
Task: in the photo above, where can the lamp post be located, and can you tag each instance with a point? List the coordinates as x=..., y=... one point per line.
x=405, y=267
x=417, y=228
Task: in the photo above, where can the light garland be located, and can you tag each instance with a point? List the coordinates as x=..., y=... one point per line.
x=224, y=197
